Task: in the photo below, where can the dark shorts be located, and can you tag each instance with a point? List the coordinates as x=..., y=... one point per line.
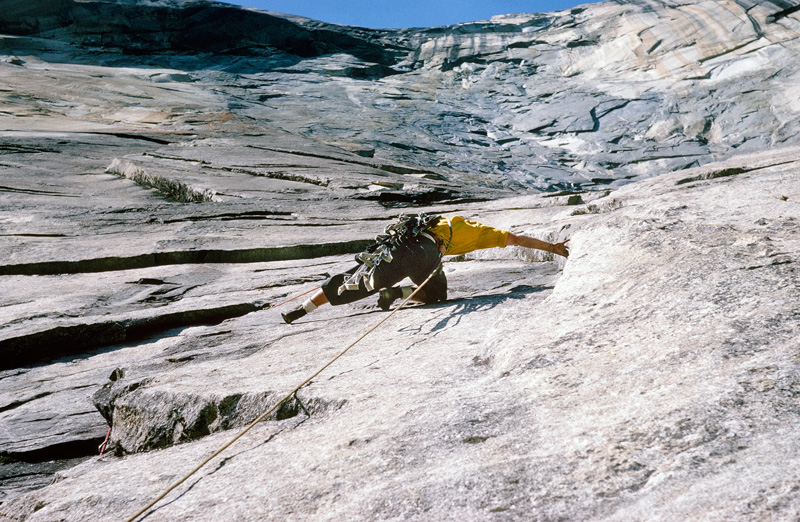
x=413, y=259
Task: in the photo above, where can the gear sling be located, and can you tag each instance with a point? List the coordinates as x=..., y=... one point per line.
x=405, y=249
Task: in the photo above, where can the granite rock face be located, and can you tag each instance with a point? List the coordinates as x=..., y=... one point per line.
x=597, y=95
x=656, y=377
x=172, y=171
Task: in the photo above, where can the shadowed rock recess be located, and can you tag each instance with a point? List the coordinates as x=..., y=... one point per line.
x=172, y=170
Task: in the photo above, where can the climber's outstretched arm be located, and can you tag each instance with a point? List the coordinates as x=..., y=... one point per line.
x=531, y=242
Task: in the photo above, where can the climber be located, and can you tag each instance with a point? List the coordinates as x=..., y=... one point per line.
x=413, y=248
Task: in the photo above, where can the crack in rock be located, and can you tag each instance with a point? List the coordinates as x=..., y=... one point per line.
x=171, y=188
x=78, y=339
x=145, y=419
x=248, y=255
x=724, y=173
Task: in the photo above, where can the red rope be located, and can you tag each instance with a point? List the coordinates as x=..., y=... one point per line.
x=102, y=447
x=293, y=298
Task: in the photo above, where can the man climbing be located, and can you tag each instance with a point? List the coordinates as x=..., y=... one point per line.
x=413, y=248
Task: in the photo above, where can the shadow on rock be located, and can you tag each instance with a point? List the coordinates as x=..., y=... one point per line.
x=481, y=303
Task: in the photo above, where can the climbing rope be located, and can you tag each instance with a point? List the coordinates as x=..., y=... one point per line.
x=293, y=298
x=286, y=398
x=104, y=445
x=102, y=448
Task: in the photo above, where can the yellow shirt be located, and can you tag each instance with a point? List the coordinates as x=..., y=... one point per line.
x=468, y=235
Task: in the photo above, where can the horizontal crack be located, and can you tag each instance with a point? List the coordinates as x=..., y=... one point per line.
x=37, y=192
x=63, y=451
x=6, y=148
x=231, y=216
x=248, y=255
x=129, y=136
x=33, y=235
x=281, y=175
x=395, y=169
x=82, y=338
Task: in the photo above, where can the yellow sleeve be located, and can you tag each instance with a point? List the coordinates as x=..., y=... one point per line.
x=468, y=235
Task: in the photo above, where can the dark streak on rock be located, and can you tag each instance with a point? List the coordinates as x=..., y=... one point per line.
x=395, y=169
x=19, y=403
x=723, y=173
x=129, y=136
x=66, y=450
x=249, y=255
x=63, y=341
x=783, y=14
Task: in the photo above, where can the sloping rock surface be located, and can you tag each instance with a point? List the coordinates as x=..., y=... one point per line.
x=172, y=172
x=655, y=378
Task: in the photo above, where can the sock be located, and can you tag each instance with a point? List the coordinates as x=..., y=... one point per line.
x=309, y=306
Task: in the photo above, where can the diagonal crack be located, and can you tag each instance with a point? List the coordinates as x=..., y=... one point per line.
x=18, y=403
x=722, y=173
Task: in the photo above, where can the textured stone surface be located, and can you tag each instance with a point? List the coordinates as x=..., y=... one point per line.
x=169, y=171
x=655, y=378
x=595, y=95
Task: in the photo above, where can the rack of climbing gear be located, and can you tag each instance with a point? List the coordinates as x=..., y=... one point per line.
x=408, y=226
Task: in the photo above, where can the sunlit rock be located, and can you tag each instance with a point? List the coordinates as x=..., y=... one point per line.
x=171, y=173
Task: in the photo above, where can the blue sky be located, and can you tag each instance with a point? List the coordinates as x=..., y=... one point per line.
x=405, y=13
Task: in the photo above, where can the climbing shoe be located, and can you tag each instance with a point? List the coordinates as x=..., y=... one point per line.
x=387, y=296
x=294, y=315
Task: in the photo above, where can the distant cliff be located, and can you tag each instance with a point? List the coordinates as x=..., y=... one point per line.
x=181, y=27
x=592, y=96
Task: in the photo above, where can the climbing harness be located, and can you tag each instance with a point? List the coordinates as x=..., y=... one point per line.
x=288, y=396
x=407, y=227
